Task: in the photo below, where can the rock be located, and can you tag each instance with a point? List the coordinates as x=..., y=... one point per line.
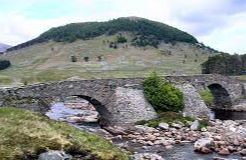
x=146, y=156
x=74, y=119
x=205, y=150
x=219, y=158
x=224, y=151
x=217, y=138
x=90, y=119
x=163, y=126
x=195, y=125
x=243, y=152
x=169, y=147
x=115, y=130
x=203, y=143
x=204, y=129
x=144, y=129
x=54, y=155
x=176, y=125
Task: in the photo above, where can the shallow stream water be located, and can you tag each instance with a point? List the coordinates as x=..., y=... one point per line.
x=179, y=152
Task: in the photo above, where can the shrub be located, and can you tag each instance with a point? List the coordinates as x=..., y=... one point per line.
x=207, y=97
x=121, y=39
x=74, y=59
x=4, y=64
x=162, y=95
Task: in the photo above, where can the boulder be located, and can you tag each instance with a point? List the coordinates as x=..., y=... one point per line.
x=202, y=143
x=224, y=151
x=164, y=126
x=54, y=155
x=176, y=125
x=243, y=152
x=195, y=125
x=146, y=156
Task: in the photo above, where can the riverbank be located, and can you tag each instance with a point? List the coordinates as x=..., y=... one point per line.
x=28, y=135
x=168, y=140
x=224, y=139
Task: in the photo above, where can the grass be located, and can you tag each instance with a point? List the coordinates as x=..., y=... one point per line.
x=26, y=134
x=52, y=61
x=243, y=77
x=168, y=117
x=207, y=97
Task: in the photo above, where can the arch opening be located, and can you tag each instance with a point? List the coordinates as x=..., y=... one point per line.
x=80, y=110
x=221, y=96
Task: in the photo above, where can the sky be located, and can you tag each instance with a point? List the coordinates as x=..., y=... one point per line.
x=220, y=24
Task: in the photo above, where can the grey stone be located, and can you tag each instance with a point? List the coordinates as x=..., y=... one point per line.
x=54, y=155
x=203, y=142
x=176, y=125
x=146, y=156
x=163, y=126
x=120, y=101
x=195, y=125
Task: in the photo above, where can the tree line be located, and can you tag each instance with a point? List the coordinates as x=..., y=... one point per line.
x=225, y=64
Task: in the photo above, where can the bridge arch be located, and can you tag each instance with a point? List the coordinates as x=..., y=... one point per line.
x=221, y=96
x=102, y=110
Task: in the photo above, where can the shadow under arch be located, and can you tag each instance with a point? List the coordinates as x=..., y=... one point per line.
x=104, y=116
x=221, y=96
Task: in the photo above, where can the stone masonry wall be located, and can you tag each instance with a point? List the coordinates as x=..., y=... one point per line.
x=118, y=101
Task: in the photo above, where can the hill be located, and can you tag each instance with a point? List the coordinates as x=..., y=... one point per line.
x=104, y=56
x=146, y=32
x=4, y=47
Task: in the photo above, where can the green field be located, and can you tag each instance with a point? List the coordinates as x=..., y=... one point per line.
x=51, y=61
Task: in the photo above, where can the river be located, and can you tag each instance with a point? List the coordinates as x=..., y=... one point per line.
x=180, y=152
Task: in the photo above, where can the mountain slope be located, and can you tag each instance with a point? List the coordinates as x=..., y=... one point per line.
x=144, y=30
x=4, y=47
x=104, y=56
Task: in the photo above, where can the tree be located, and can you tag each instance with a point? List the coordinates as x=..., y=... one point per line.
x=74, y=59
x=121, y=39
x=225, y=64
x=4, y=64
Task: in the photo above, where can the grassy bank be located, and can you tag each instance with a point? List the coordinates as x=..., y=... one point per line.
x=27, y=134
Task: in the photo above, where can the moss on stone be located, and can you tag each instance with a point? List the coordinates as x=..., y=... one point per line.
x=207, y=97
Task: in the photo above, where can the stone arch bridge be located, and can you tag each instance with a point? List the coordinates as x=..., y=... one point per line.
x=121, y=101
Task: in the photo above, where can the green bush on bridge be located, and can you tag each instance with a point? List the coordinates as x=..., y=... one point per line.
x=162, y=95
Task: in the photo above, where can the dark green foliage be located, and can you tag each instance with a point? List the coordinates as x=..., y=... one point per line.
x=152, y=31
x=162, y=95
x=121, y=39
x=225, y=64
x=86, y=59
x=4, y=64
x=145, y=40
x=113, y=45
x=74, y=59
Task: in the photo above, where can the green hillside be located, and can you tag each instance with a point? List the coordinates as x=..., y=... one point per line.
x=111, y=55
x=146, y=32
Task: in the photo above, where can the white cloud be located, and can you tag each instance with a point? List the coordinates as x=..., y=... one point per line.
x=219, y=24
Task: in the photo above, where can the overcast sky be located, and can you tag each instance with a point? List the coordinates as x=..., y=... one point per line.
x=220, y=24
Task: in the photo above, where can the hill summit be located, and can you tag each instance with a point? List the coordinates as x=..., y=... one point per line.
x=146, y=32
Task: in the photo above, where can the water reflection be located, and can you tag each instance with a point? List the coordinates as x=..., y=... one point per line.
x=227, y=115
